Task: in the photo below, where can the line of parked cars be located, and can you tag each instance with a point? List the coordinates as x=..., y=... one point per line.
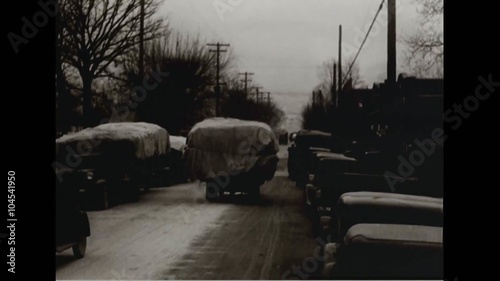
x=374, y=228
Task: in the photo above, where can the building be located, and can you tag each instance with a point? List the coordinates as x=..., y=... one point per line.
x=413, y=108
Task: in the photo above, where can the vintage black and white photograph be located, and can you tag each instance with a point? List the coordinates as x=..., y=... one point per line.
x=249, y=139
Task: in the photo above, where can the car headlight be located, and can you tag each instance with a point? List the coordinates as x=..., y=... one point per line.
x=90, y=175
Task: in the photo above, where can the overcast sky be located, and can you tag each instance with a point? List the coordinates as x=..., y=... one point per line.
x=285, y=41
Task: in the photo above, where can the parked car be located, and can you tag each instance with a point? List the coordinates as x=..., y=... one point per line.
x=300, y=152
x=72, y=223
x=386, y=251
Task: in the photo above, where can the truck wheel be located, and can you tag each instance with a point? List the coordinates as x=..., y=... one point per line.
x=133, y=191
x=79, y=248
x=212, y=191
x=208, y=194
x=99, y=196
x=134, y=196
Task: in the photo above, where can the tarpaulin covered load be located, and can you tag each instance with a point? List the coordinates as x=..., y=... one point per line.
x=229, y=145
x=142, y=140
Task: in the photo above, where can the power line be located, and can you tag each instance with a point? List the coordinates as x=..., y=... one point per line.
x=362, y=44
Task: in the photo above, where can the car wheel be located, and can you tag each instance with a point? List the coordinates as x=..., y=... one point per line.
x=79, y=248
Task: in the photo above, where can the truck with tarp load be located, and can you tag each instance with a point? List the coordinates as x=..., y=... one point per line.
x=231, y=155
x=112, y=161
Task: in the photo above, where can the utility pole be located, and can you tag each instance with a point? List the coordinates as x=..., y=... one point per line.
x=246, y=80
x=217, y=78
x=340, y=66
x=268, y=97
x=257, y=93
x=391, y=43
x=394, y=111
x=334, y=85
x=141, y=43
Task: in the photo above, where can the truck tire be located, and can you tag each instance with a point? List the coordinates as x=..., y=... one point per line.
x=212, y=191
x=79, y=248
x=208, y=193
x=132, y=191
x=98, y=196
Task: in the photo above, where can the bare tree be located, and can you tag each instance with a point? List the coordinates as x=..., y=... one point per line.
x=352, y=80
x=184, y=96
x=95, y=35
x=184, y=57
x=426, y=47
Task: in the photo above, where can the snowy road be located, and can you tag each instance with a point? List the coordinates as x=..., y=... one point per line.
x=174, y=233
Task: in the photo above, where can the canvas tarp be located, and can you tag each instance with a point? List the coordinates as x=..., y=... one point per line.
x=144, y=140
x=226, y=145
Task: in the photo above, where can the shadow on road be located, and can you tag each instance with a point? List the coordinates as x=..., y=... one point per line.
x=64, y=259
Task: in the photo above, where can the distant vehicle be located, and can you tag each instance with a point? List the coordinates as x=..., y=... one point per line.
x=175, y=161
x=231, y=155
x=282, y=136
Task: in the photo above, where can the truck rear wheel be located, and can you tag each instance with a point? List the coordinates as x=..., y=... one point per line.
x=131, y=188
x=211, y=191
x=97, y=196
